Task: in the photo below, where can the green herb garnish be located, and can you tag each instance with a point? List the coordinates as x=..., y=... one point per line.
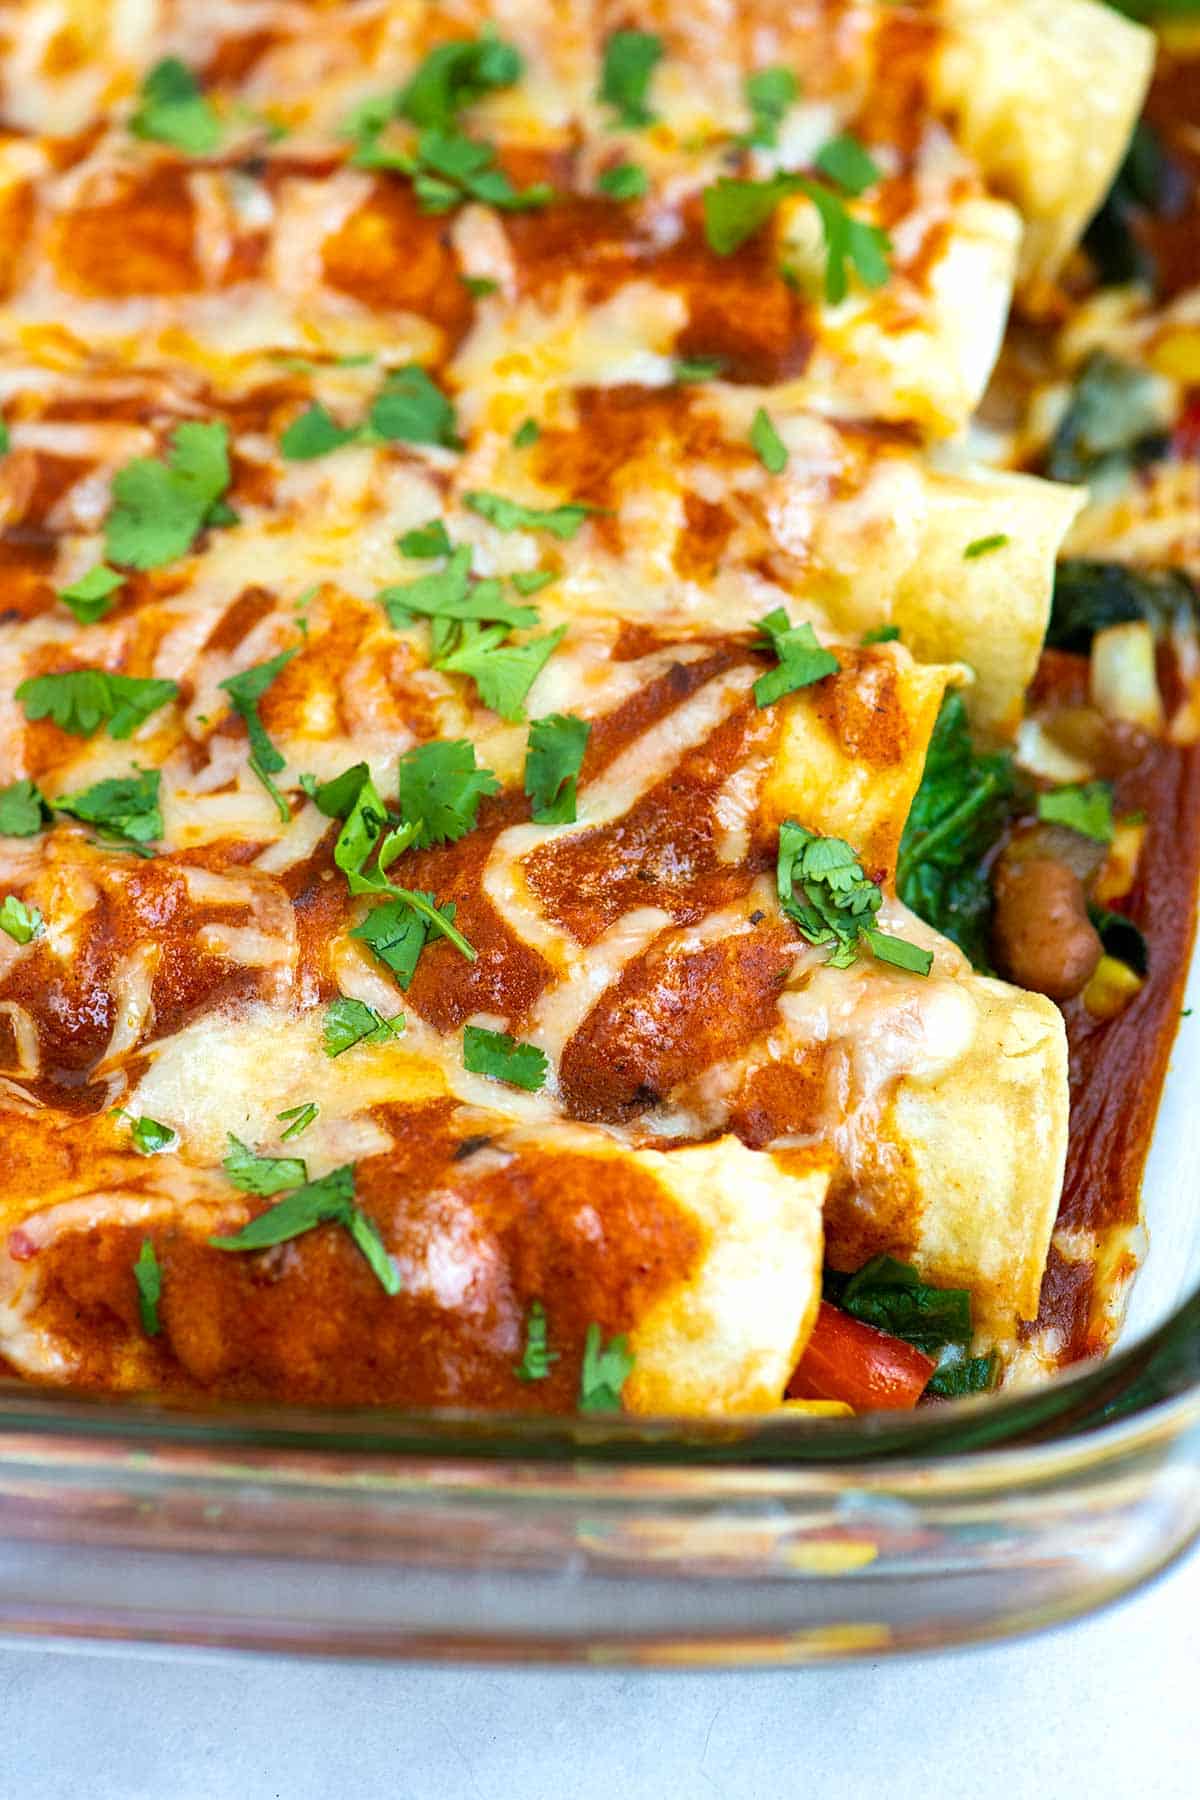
x=984, y=546
x=124, y=808
x=348, y=1022
x=503, y=1058
x=159, y=507
x=172, y=109
x=81, y=700
x=91, y=597
x=535, y=1363
x=261, y=1174
x=329, y=1201
x=23, y=809
x=802, y=660
x=768, y=446
x=630, y=59
x=604, y=1372
x=22, y=923
x=823, y=890
x=625, y=181
x=148, y=1276
x=245, y=691
x=769, y=95
x=553, y=758
x=1086, y=809
x=301, y=1118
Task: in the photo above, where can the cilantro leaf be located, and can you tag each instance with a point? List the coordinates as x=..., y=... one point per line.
x=500, y=1056
x=823, y=890
x=881, y=634
x=734, y=209
x=245, y=691
x=397, y=930
x=426, y=540
x=984, y=546
x=329, y=1201
x=315, y=432
x=891, y=1296
x=848, y=164
x=535, y=1362
x=148, y=1277
x=528, y=432
x=848, y=241
x=348, y=1022
x=961, y=808
x=301, y=1118
x=91, y=597
x=532, y=581
x=261, y=1174
x=172, y=110
x=503, y=673
x=5, y=440
x=449, y=594
x=455, y=75
x=553, y=758
x=412, y=409
x=158, y=507
x=769, y=94
x=630, y=59
x=1086, y=809
x=802, y=660
x=479, y=286
x=22, y=923
x=690, y=369
x=510, y=515
x=149, y=1137
x=448, y=168
x=81, y=700
x=768, y=446
x=124, y=808
x=23, y=810
x=440, y=790
x=604, y=1372
x=353, y=797
x=626, y=181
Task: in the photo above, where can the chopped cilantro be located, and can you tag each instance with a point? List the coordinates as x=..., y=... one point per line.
x=245, y=691
x=511, y=515
x=532, y=581
x=261, y=1174
x=158, y=507
x=397, y=930
x=5, y=440
x=148, y=1136
x=626, y=181
x=769, y=94
x=172, y=110
x=412, y=409
x=23, y=809
x=960, y=809
x=690, y=369
x=425, y=541
x=329, y=1201
x=823, y=890
x=1086, y=809
x=315, y=432
x=91, y=597
x=535, y=1363
x=848, y=164
x=81, y=700
x=301, y=1118
x=528, y=432
x=802, y=660
x=348, y=1022
x=479, y=286
x=881, y=634
x=148, y=1277
x=22, y=923
x=450, y=595
x=440, y=790
x=124, y=808
x=767, y=444
x=448, y=168
x=735, y=209
x=553, y=758
x=984, y=546
x=503, y=673
x=604, y=1372
x=500, y=1056
x=1112, y=423
x=630, y=59
x=455, y=75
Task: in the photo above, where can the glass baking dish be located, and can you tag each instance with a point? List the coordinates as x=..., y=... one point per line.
x=776, y=1541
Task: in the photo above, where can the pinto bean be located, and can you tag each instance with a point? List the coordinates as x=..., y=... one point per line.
x=1042, y=937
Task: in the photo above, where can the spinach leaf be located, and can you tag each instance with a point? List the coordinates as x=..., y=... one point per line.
x=1148, y=184
x=1090, y=596
x=1121, y=938
x=962, y=806
x=958, y=1376
x=891, y=1296
x=1112, y=424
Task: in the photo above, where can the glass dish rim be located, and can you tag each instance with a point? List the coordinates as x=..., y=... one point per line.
x=1156, y=1378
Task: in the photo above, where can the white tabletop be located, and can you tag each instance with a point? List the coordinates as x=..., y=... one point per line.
x=1108, y=1708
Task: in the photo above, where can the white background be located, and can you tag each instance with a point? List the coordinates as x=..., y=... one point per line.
x=1110, y=1707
